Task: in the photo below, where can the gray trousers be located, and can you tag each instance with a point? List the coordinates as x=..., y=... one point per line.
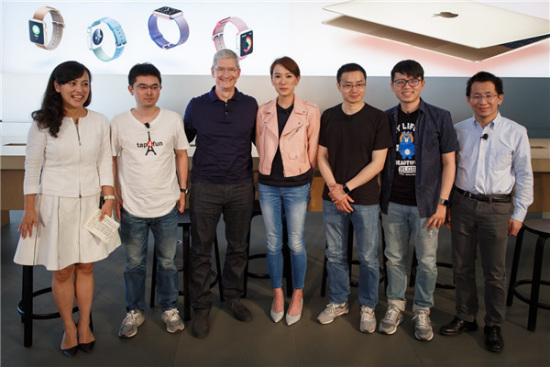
x=485, y=224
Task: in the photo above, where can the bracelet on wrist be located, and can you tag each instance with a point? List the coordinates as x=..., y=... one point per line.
x=108, y=197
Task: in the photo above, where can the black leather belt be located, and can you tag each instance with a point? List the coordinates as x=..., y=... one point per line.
x=500, y=198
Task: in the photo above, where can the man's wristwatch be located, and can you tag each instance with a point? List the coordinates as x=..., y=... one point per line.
x=167, y=13
x=444, y=202
x=244, y=44
x=96, y=36
x=346, y=189
x=185, y=191
x=38, y=30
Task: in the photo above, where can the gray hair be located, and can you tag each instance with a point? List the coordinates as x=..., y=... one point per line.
x=225, y=53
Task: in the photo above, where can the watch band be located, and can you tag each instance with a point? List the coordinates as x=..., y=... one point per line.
x=185, y=191
x=218, y=32
x=108, y=197
x=444, y=202
x=159, y=39
x=346, y=189
x=57, y=22
x=120, y=39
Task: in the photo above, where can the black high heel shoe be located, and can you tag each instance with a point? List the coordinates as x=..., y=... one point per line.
x=87, y=347
x=70, y=352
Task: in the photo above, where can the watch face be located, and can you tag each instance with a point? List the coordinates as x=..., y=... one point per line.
x=37, y=32
x=246, y=43
x=167, y=12
x=97, y=37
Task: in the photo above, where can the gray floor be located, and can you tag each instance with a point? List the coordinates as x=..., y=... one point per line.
x=260, y=342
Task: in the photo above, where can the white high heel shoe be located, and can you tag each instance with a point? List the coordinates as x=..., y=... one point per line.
x=276, y=316
x=290, y=320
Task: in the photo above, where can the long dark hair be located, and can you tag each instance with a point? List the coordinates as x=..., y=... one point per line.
x=51, y=113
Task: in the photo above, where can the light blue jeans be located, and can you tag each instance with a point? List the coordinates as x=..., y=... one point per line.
x=365, y=219
x=293, y=200
x=400, y=224
x=134, y=233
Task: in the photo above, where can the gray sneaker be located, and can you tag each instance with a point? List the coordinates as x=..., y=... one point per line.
x=368, y=320
x=332, y=311
x=423, y=326
x=391, y=320
x=172, y=320
x=130, y=324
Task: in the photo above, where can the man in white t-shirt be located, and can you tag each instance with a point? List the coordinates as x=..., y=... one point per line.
x=149, y=147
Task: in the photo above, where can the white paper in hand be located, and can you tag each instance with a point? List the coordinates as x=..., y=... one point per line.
x=104, y=230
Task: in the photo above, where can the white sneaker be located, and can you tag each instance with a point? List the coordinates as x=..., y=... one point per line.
x=172, y=320
x=130, y=324
x=423, y=326
x=332, y=311
x=368, y=320
x=391, y=320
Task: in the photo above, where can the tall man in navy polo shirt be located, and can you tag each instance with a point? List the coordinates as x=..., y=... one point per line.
x=416, y=183
x=223, y=122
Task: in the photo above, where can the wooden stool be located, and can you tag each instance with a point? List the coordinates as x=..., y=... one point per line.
x=540, y=227
x=184, y=221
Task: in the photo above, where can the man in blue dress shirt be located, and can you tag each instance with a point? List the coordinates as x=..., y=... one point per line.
x=494, y=159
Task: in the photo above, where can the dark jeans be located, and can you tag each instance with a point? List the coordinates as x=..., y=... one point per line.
x=207, y=202
x=485, y=224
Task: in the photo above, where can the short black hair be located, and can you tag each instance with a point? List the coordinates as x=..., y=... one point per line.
x=408, y=67
x=346, y=68
x=143, y=69
x=484, y=76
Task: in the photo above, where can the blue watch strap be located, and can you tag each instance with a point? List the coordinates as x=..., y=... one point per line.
x=120, y=39
x=159, y=39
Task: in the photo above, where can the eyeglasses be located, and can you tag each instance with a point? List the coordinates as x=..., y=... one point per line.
x=348, y=86
x=229, y=70
x=144, y=87
x=402, y=82
x=479, y=97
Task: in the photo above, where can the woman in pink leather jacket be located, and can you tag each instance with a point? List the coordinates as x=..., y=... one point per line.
x=287, y=133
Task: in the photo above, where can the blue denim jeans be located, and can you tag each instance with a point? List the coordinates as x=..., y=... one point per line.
x=400, y=224
x=208, y=201
x=365, y=220
x=293, y=200
x=134, y=233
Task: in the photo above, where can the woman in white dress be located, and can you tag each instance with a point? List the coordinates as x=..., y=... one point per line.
x=68, y=164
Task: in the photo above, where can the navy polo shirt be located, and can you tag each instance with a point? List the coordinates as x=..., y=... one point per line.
x=435, y=135
x=224, y=132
